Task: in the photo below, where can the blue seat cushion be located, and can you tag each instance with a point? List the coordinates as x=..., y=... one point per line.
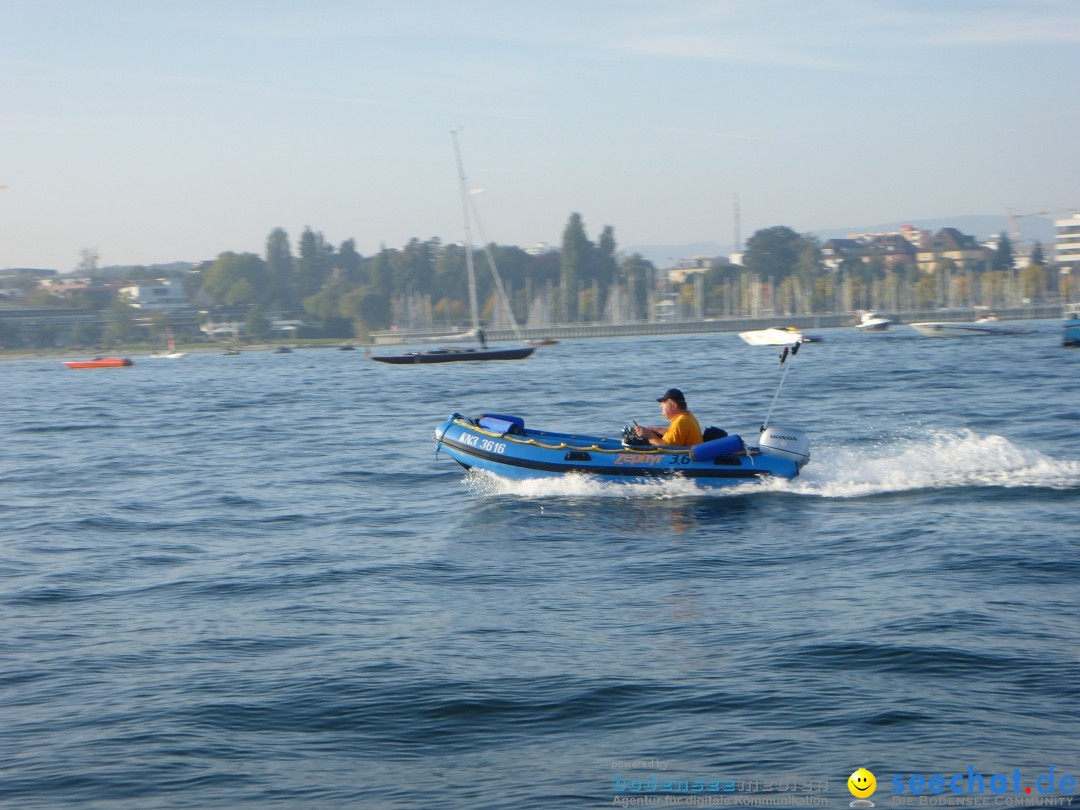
x=707, y=451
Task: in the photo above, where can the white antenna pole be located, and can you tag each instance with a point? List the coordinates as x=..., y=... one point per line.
x=738, y=226
x=784, y=354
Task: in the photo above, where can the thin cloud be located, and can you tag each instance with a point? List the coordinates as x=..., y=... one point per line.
x=773, y=33
x=725, y=49
x=43, y=125
x=1056, y=29
x=226, y=84
x=727, y=136
x=980, y=22
x=837, y=34
x=255, y=89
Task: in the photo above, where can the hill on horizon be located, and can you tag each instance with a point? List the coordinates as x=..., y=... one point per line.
x=981, y=226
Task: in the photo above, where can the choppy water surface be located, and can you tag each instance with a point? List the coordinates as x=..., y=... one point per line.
x=247, y=581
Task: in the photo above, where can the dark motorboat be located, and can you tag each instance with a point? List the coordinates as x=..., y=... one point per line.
x=454, y=355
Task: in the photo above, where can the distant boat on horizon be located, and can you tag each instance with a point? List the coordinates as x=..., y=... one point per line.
x=101, y=362
x=873, y=322
x=451, y=354
x=170, y=352
x=988, y=325
x=777, y=336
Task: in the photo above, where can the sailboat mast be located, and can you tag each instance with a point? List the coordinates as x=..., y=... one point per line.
x=468, y=234
x=503, y=298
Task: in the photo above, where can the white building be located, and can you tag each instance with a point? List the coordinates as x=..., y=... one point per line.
x=162, y=293
x=687, y=267
x=224, y=329
x=1068, y=242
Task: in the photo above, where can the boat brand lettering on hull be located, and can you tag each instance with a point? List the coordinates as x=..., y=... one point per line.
x=639, y=458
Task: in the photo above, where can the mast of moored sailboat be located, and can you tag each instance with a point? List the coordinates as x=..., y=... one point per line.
x=468, y=235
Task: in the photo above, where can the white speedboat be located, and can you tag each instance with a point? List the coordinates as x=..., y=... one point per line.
x=873, y=322
x=989, y=324
x=777, y=336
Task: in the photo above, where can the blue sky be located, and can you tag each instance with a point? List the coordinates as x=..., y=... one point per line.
x=161, y=131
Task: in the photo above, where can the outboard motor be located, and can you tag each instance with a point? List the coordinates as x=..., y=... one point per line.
x=785, y=442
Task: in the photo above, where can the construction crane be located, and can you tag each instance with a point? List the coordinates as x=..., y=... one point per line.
x=1014, y=218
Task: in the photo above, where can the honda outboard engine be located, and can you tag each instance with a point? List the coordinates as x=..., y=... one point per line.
x=785, y=442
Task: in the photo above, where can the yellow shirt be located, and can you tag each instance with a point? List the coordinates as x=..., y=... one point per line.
x=683, y=431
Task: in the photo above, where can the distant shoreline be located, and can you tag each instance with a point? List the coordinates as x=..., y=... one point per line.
x=401, y=337
x=66, y=353
x=561, y=331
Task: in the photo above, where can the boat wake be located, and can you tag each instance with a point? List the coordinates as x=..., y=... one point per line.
x=488, y=485
x=938, y=460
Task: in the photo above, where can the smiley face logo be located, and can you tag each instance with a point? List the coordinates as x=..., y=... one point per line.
x=862, y=783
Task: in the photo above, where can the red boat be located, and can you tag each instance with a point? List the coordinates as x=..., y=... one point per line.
x=100, y=362
x=543, y=342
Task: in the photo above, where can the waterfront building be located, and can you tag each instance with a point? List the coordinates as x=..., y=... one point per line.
x=888, y=248
x=687, y=267
x=162, y=293
x=949, y=243
x=1067, y=246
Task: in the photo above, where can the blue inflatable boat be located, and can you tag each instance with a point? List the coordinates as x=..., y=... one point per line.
x=503, y=445
x=1072, y=329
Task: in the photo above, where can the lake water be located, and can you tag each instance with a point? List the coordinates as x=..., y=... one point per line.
x=248, y=582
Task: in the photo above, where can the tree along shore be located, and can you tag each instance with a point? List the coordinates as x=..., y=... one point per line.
x=335, y=293
x=554, y=331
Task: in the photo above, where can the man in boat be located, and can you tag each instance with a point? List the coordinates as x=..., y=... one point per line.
x=683, y=430
x=480, y=337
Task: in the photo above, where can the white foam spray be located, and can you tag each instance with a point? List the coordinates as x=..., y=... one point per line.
x=934, y=460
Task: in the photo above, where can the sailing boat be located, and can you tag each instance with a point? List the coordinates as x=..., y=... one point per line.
x=171, y=353
x=450, y=354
